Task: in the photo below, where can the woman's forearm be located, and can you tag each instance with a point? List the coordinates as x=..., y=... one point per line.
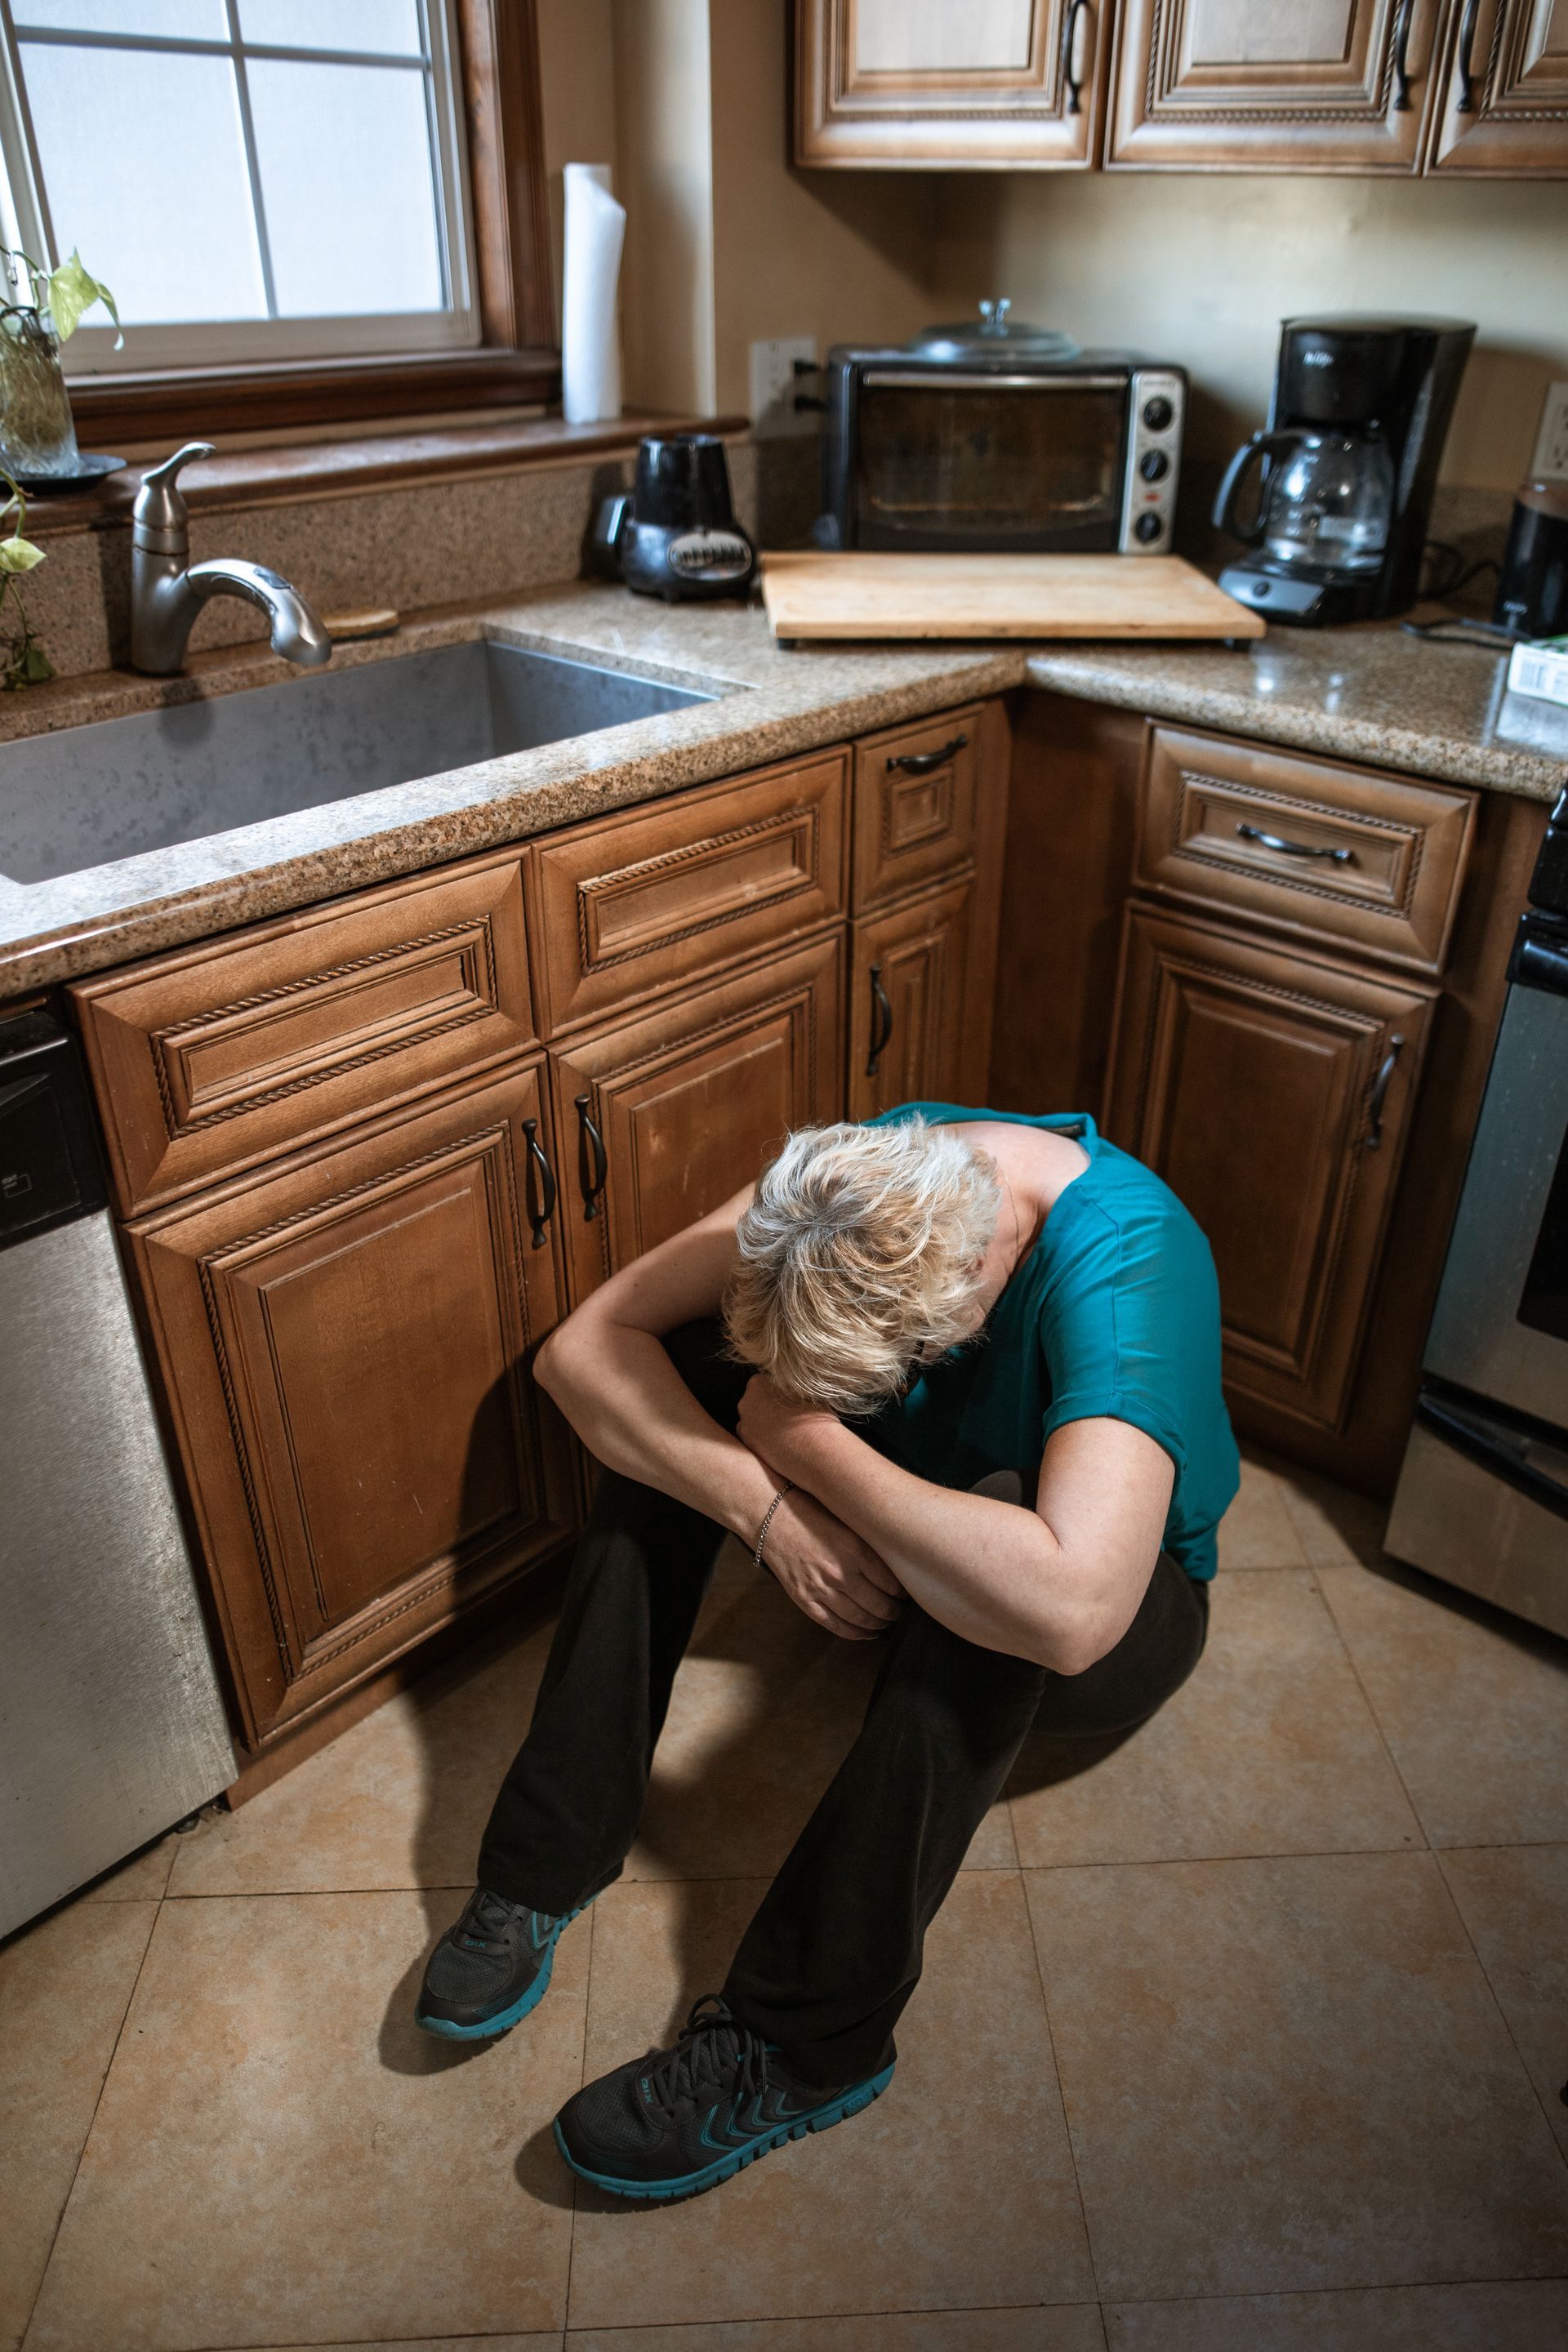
x=990, y=1572
x=626, y=1401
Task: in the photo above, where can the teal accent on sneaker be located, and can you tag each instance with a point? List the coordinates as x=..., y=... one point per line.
x=835, y=2110
x=505, y=2019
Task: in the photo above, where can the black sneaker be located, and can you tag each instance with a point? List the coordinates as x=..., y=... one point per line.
x=491, y=1968
x=675, y=2122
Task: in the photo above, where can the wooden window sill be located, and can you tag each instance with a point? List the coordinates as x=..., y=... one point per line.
x=257, y=478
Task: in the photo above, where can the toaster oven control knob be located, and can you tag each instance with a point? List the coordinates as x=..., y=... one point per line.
x=1148, y=527
x=1154, y=465
x=1157, y=412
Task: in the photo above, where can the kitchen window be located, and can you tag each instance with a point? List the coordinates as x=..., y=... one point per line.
x=280, y=194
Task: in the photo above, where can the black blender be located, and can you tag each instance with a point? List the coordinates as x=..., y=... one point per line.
x=1347, y=464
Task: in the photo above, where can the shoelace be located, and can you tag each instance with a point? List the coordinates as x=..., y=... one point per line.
x=715, y=2050
x=487, y=1918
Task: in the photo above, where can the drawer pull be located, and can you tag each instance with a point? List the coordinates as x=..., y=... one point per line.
x=593, y=1160
x=1380, y=1087
x=1295, y=848
x=1401, y=58
x=881, y=1022
x=1073, y=54
x=538, y=1217
x=920, y=764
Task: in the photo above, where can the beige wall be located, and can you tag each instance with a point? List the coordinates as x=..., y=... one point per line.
x=1201, y=270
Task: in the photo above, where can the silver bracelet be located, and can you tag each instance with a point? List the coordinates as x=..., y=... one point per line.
x=787, y=1488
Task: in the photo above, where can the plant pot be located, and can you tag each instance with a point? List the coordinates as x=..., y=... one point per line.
x=38, y=434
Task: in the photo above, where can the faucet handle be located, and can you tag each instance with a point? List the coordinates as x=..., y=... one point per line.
x=158, y=514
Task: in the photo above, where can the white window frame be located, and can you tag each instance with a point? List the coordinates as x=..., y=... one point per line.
x=23, y=216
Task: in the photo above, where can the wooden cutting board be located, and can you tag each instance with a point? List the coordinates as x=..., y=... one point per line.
x=817, y=596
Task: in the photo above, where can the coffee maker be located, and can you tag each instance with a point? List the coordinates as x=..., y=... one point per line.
x=1346, y=467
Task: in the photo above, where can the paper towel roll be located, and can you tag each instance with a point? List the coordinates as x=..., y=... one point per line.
x=590, y=333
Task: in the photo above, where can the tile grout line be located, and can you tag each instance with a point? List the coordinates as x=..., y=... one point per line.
x=1497, y=2001
x=582, y=2079
x=103, y=2085
x=1384, y=1740
x=1061, y=2094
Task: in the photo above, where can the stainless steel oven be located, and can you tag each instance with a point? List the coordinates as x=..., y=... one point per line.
x=1483, y=1496
x=1000, y=438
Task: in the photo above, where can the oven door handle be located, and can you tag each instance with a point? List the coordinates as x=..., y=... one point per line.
x=1488, y=1455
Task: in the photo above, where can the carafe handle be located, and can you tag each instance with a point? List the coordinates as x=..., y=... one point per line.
x=1261, y=446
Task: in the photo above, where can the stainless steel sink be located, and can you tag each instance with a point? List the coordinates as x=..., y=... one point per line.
x=117, y=787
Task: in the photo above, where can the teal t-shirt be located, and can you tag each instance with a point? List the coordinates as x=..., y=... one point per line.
x=1114, y=1312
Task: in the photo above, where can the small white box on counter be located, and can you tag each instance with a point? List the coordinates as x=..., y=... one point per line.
x=1540, y=670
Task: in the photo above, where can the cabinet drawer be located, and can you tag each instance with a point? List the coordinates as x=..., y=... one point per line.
x=213, y=1058
x=1346, y=854
x=630, y=904
x=914, y=804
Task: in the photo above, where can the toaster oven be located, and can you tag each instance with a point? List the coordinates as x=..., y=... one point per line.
x=1000, y=440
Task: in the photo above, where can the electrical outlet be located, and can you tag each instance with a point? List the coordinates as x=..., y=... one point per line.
x=776, y=387
x=1551, y=457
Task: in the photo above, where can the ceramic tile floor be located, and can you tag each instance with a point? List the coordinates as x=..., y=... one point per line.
x=1249, y=2038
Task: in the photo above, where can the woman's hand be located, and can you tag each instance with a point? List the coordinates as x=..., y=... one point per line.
x=829, y=1574
x=780, y=1433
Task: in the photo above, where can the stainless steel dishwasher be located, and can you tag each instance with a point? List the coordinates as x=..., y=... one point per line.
x=111, y=1724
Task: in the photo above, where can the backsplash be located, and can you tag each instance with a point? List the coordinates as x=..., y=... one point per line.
x=441, y=542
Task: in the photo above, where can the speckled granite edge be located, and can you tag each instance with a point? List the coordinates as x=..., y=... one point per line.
x=1371, y=695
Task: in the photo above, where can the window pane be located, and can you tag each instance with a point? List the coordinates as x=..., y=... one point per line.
x=174, y=236
x=188, y=20
x=344, y=156
x=390, y=25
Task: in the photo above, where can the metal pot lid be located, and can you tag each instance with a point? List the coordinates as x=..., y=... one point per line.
x=994, y=334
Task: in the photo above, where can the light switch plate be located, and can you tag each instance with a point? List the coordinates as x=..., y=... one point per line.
x=1550, y=458
x=775, y=386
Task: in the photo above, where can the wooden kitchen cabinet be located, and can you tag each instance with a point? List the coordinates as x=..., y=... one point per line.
x=1273, y=1091
x=1502, y=107
x=343, y=1339
x=668, y=1112
x=1252, y=85
x=923, y=83
x=908, y=1038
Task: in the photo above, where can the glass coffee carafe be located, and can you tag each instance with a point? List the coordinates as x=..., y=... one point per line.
x=1325, y=502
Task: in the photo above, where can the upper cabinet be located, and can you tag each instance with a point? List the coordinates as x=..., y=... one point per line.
x=1503, y=104
x=1398, y=87
x=1248, y=85
x=921, y=82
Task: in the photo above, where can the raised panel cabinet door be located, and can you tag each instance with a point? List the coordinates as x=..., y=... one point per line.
x=1504, y=97
x=665, y=1115
x=927, y=84
x=1272, y=84
x=344, y=1343
x=1273, y=1092
x=908, y=1042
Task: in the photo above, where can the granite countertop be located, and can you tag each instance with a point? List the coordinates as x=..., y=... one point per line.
x=1372, y=694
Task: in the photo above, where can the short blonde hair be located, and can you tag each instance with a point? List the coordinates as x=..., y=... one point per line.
x=859, y=1255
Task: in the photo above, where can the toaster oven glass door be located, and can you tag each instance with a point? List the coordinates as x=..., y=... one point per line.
x=1031, y=463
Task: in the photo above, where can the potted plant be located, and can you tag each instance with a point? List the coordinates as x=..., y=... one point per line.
x=23, y=661
x=40, y=310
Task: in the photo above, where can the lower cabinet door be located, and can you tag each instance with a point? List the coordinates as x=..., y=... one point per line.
x=665, y=1115
x=1273, y=1092
x=344, y=1344
x=911, y=1036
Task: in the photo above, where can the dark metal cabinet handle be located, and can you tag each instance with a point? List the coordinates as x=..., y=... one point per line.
x=1401, y=58
x=538, y=1167
x=1380, y=1087
x=1466, y=101
x=1072, y=63
x=920, y=764
x=593, y=1160
x=881, y=1022
x=1295, y=848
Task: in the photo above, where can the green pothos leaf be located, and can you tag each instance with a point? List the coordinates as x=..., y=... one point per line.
x=72, y=292
x=19, y=554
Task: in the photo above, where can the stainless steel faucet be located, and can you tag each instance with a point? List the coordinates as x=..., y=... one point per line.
x=167, y=591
